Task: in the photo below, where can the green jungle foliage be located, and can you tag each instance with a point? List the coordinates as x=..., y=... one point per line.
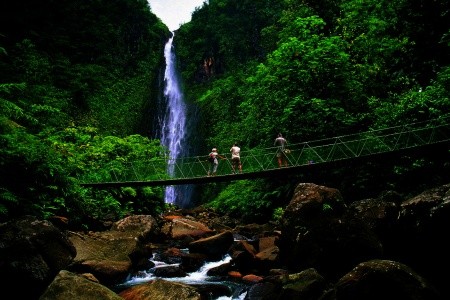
x=75, y=78
x=79, y=79
x=312, y=70
x=251, y=200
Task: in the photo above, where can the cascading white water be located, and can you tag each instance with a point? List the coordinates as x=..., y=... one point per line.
x=173, y=125
x=195, y=278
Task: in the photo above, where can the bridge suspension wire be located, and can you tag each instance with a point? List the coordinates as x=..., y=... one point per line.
x=195, y=169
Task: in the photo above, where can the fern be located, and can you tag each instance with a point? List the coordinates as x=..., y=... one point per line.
x=8, y=108
x=7, y=196
x=6, y=199
x=9, y=88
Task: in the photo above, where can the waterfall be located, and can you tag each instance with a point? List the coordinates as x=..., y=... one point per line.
x=173, y=126
x=196, y=278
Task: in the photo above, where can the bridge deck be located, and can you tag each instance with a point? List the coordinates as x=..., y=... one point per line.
x=262, y=162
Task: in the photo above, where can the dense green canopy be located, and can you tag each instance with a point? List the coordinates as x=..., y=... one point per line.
x=76, y=80
x=315, y=69
x=79, y=82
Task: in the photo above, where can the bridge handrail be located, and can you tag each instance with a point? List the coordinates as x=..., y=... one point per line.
x=262, y=159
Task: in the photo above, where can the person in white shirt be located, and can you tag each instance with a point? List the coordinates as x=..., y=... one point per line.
x=214, y=163
x=236, y=158
x=281, y=143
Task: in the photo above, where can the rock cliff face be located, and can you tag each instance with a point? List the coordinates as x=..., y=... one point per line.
x=324, y=248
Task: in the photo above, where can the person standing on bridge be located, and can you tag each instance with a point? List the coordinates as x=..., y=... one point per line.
x=214, y=162
x=281, y=143
x=236, y=158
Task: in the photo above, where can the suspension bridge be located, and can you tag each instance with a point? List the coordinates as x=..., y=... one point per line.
x=263, y=162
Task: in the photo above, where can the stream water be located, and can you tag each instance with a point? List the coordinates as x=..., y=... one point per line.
x=175, y=122
x=232, y=290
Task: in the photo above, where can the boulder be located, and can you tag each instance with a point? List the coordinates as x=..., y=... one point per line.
x=384, y=279
x=67, y=285
x=111, y=255
x=32, y=252
x=316, y=235
x=421, y=235
x=179, y=228
x=306, y=285
x=161, y=290
x=142, y=227
x=215, y=247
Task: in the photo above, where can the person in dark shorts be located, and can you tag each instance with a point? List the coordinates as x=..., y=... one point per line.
x=281, y=143
x=236, y=158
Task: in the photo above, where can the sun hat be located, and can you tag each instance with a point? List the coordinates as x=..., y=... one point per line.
x=214, y=149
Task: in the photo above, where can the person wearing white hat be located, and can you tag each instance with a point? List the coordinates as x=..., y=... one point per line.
x=214, y=163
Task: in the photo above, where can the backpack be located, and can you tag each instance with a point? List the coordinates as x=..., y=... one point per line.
x=211, y=158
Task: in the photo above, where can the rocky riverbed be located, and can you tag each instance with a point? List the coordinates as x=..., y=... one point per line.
x=324, y=247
